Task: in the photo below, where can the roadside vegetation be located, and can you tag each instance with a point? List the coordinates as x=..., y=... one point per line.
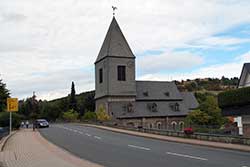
x=81, y=107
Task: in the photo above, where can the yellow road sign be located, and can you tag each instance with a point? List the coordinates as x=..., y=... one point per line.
x=12, y=104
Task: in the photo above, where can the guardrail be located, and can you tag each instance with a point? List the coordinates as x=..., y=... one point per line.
x=199, y=136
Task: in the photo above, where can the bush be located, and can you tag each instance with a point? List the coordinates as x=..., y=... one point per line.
x=102, y=115
x=5, y=118
x=237, y=97
x=89, y=116
x=70, y=115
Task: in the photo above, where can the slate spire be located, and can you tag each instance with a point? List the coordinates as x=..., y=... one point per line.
x=115, y=44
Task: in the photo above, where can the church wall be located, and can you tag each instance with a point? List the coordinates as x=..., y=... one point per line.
x=101, y=89
x=124, y=88
x=155, y=123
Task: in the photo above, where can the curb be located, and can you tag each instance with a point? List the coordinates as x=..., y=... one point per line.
x=5, y=139
x=175, y=139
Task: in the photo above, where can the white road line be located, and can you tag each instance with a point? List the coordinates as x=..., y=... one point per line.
x=87, y=134
x=187, y=156
x=80, y=132
x=97, y=137
x=139, y=147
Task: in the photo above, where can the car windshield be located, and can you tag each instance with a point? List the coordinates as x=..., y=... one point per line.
x=41, y=120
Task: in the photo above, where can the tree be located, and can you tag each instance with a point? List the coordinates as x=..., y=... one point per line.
x=208, y=114
x=72, y=99
x=89, y=116
x=197, y=117
x=70, y=116
x=4, y=94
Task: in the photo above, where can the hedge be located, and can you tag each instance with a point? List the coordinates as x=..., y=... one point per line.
x=237, y=97
x=4, y=119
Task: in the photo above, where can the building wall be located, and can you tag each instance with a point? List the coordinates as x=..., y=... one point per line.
x=101, y=89
x=156, y=123
x=246, y=125
x=121, y=88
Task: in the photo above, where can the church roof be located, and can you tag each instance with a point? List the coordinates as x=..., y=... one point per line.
x=115, y=44
x=190, y=100
x=157, y=90
x=244, y=72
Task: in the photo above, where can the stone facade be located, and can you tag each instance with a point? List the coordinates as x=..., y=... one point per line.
x=168, y=123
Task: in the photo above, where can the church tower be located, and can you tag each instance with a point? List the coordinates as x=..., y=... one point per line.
x=114, y=72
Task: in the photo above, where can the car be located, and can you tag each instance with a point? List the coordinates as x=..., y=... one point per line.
x=42, y=123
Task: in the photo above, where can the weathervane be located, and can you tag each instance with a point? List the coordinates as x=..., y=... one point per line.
x=114, y=8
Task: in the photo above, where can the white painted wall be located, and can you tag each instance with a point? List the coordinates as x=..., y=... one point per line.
x=239, y=124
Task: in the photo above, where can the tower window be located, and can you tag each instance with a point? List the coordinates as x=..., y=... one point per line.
x=121, y=73
x=100, y=75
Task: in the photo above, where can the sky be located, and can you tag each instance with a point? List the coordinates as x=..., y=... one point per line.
x=47, y=44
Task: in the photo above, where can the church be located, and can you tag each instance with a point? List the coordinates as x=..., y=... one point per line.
x=149, y=104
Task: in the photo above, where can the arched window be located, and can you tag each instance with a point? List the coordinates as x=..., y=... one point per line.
x=174, y=125
x=151, y=126
x=159, y=125
x=181, y=125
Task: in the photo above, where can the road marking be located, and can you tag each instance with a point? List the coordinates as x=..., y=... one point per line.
x=97, y=137
x=87, y=134
x=75, y=130
x=187, y=156
x=80, y=132
x=139, y=147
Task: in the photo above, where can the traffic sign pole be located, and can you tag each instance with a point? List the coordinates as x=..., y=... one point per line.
x=10, y=121
x=12, y=106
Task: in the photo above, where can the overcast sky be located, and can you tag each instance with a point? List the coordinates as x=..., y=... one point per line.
x=47, y=44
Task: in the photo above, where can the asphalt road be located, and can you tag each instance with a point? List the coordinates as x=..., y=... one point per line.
x=120, y=150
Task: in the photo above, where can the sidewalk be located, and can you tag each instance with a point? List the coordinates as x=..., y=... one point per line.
x=29, y=149
x=176, y=139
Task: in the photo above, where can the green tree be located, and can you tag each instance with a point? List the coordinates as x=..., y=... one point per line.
x=70, y=116
x=90, y=116
x=4, y=94
x=4, y=119
x=50, y=111
x=72, y=98
x=197, y=117
x=208, y=114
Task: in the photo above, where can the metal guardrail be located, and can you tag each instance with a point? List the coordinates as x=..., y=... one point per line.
x=200, y=136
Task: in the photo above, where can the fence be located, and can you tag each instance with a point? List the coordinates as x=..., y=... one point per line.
x=200, y=136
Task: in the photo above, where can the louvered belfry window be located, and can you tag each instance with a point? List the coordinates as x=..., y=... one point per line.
x=100, y=75
x=121, y=73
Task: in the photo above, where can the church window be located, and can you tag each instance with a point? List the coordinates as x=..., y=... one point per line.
x=159, y=125
x=145, y=94
x=121, y=73
x=100, y=75
x=174, y=125
x=181, y=125
x=177, y=107
x=166, y=94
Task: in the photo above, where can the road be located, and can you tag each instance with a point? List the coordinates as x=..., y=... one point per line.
x=120, y=150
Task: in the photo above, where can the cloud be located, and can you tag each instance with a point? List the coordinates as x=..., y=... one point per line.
x=42, y=42
x=232, y=69
x=12, y=17
x=168, y=61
